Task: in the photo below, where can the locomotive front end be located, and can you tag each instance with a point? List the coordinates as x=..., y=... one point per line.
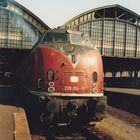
x=73, y=77
x=68, y=78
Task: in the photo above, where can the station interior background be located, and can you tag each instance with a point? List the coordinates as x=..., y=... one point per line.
x=114, y=30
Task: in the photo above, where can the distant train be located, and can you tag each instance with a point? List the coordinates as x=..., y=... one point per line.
x=64, y=77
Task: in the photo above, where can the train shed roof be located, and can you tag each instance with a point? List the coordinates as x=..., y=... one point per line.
x=20, y=10
x=111, y=11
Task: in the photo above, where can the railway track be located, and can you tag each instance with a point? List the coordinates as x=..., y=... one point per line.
x=67, y=133
x=71, y=133
x=116, y=125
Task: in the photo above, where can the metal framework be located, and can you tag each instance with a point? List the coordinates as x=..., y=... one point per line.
x=19, y=28
x=20, y=10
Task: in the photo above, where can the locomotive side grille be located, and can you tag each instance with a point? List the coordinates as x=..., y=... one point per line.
x=68, y=73
x=80, y=73
x=76, y=73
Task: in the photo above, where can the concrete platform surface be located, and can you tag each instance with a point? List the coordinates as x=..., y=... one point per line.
x=124, y=90
x=9, y=123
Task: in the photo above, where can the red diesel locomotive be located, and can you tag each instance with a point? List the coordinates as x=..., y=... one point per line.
x=64, y=75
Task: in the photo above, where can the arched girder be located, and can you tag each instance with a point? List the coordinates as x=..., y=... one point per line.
x=111, y=12
x=19, y=10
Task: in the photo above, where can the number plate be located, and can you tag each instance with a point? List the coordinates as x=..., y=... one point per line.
x=73, y=88
x=74, y=79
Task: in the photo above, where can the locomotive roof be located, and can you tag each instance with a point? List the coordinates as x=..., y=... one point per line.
x=60, y=30
x=59, y=35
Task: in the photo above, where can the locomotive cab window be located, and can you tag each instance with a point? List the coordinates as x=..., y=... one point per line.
x=47, y=38
x=55, y=37
x=60, y=37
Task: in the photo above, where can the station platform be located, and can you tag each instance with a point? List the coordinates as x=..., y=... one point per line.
x=129, y=91
x=13, y=123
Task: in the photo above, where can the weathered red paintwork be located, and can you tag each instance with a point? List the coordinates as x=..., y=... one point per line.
x=46, y=58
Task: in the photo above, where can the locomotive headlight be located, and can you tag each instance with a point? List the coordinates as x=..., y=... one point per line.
x=51, y=84
x=95, y=88
x=50, y=75
x=94, y=77
x=95, y=85
x=51, y=89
